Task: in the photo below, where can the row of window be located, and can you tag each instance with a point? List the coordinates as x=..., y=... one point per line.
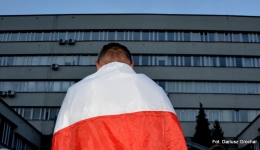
x=36, y=86
x=202, y=36
x=37, y=113
x=139, y=60
x=220, y=115
x=169, y=86
x=10, y=139
x=210, y=87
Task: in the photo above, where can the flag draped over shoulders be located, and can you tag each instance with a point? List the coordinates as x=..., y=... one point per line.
x=117, y=109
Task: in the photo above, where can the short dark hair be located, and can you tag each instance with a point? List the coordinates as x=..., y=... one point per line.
x=115, y=46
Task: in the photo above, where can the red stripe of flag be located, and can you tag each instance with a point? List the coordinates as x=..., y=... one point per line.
x=146, y=130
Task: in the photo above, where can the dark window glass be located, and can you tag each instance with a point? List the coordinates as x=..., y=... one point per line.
x=161, y=62
x=196, y=60
x=38, y=36
x=86, y=36
x=221, y=37
x=243, y=116
x=136, y=36
x=120, y=35
x=245, y=37
x=145, y=60
x=145, y=36
x=111, y=35
x=161, y=36
x=53, y=113
x=10, y=61
x=170, y=36
x=46, y=36
x=171, y=59
x=36, y=113
x=186, y=36
x=1, y=36
x=258, y=35
x=236, y=37
x=14, y=37
x=187, y=60
x=213, y=61
x=27, y=113
x=136, y=60
x=22, y=36
x=62, y=35
x=239, y=62
x=162, y=84
x=71, y=35
x=211, y=37
x=222, y=61
x=201, y=36
x=95, y=35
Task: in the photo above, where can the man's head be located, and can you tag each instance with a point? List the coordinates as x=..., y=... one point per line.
x=114, y=52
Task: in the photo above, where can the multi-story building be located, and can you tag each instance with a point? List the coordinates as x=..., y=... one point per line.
x=213, y=60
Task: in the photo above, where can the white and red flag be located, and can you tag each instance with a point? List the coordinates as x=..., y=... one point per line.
x=117, y=109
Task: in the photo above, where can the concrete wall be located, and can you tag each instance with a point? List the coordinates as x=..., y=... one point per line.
x=166, y=73
x=120, y=21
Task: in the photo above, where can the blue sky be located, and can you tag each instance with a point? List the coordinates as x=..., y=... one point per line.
x=211, y=7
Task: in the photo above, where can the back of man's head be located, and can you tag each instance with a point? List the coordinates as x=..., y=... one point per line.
x=114, y=52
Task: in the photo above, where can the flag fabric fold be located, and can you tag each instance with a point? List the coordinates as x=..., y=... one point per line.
x=117, y=109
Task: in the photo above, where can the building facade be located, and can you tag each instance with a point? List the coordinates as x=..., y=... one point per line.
x=213, y=60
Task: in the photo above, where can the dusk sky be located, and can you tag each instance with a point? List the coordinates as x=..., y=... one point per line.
x=208, y=7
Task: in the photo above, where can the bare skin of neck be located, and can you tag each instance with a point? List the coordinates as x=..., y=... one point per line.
x=113, y=56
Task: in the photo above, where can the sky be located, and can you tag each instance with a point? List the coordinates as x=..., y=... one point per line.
x=205, y=7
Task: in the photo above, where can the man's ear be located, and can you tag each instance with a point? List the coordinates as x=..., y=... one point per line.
x=97, y=65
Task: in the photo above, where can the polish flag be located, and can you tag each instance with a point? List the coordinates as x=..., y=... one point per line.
x=117, y=109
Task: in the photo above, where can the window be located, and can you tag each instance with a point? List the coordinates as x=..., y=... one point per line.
x=236, y=37
x=187, y=61
x=10, y=61
x=14, y=37
x=243, y=116
x=145, y=60
x=46, y=36
x=196, y=36
x=120, y=35
x=38, y=36
x=86, y=36
x=145, y=36
x=196, y=61
x=36, y=113
x=95, y=35
x=170, y=36
x=222, y=61
x=161, y=36
x=211, y=37
x=247, y=62
x=136, y=36
x=27, y=113
x=245, y=37
x=221, y=37
x=62, y=35
x=111, y=35
x=239, y=62
x=187, y=36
